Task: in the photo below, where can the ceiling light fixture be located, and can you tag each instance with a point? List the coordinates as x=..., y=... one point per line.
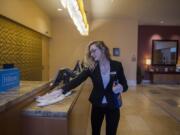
x=63, y=2
x=78, y=15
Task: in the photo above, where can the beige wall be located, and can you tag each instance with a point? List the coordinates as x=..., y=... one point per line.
x=26, y=12
x=67, y=45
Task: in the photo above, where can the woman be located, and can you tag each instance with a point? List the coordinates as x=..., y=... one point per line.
x=108, y=83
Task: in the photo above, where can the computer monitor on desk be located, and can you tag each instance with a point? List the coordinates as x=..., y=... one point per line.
x=7, y=66
x=63, y=75
x=77, y=67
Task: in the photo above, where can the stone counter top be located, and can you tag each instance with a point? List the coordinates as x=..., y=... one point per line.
x=26, y=89
x=60, y=109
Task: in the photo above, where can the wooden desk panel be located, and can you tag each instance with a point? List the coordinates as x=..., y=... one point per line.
x=10, y=114
x=165, y=77
x=71, y=120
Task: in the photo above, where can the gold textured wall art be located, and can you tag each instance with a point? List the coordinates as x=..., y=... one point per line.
x=22, y=47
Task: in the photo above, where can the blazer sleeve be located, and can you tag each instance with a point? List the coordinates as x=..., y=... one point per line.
x=122, y=78
x=76, y=81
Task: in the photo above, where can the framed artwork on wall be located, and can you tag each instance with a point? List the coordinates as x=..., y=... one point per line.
x=116, y=51
x=164, y=52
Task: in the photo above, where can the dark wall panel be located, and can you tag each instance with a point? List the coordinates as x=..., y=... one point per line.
x=145, y=36
x=21, y=46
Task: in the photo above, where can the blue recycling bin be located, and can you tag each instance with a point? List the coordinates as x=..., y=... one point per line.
x=9, y=79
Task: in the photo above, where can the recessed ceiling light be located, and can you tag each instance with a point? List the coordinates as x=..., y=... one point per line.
x=59, y=9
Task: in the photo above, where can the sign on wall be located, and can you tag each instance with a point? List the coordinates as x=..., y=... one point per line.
x=9, y=78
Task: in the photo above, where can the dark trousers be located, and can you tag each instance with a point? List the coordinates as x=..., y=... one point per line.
x=112, y=119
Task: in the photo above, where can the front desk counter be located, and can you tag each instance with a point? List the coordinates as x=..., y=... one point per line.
x=13, y=101
x=68, y=117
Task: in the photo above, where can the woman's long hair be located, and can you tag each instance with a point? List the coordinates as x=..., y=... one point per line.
x=91, y=63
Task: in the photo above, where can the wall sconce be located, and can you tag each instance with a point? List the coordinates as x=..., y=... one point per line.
x=78, y=15
x=148, y=63
x=178, y=65
x=178, y=62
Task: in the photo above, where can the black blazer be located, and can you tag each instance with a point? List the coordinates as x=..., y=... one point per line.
x=98, y=91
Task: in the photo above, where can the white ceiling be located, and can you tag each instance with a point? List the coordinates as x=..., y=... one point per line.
x=147, y=12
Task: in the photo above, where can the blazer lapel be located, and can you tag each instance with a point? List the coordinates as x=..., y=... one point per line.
x=111, y=77
x=110, y=80
x=99, y=77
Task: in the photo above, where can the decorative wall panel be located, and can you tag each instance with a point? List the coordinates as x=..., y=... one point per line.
x=21, y=46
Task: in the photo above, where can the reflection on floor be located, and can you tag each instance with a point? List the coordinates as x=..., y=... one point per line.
x=149, y=110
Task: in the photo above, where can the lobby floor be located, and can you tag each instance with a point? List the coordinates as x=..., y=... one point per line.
x=149, y=110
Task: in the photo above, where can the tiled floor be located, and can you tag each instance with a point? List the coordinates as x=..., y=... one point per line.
x=149, y=110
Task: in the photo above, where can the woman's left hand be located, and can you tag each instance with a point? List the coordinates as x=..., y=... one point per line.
x=117, y=88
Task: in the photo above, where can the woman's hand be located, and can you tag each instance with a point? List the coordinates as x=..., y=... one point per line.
x=117, y=88
x=51, y=95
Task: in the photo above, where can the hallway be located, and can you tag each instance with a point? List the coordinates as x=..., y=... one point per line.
x=149, y=110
